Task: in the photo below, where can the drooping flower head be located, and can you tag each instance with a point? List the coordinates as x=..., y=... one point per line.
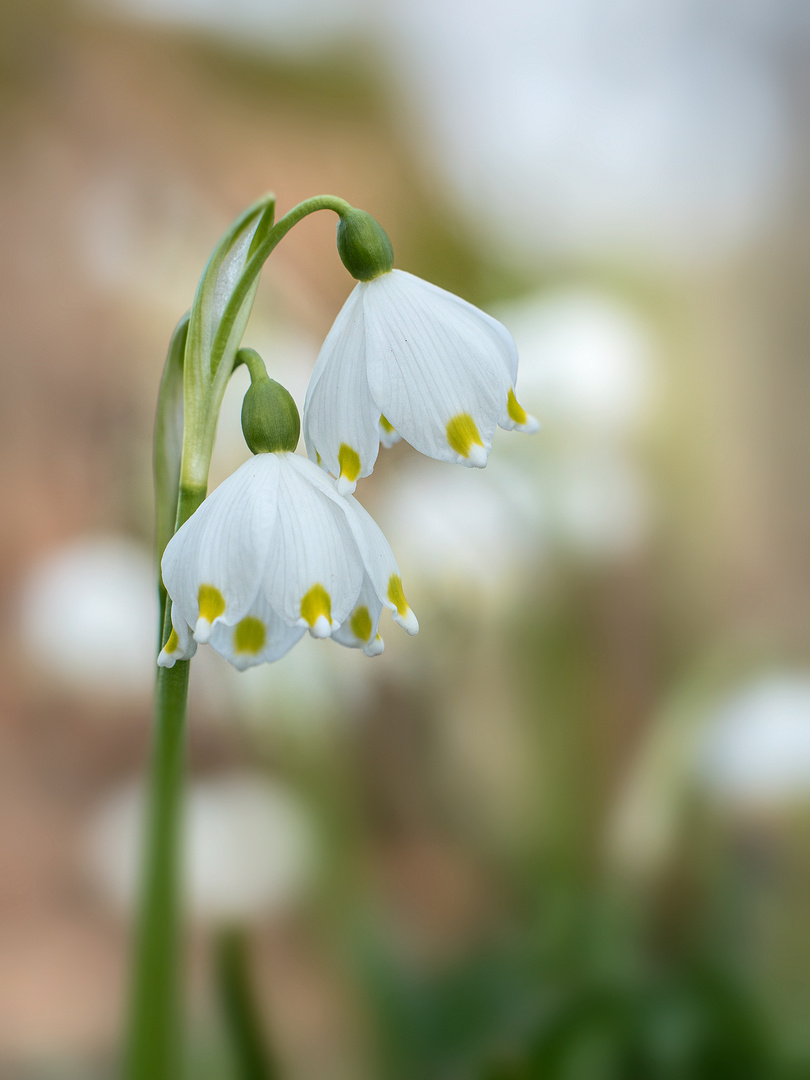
x=407, y=359
x=273, y=552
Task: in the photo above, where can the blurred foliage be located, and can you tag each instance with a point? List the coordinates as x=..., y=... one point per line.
x=525, y=1012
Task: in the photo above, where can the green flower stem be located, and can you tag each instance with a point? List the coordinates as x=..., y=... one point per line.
x=153, y=1044
x=253, y=362
x=238, y=1003
x=258, y=258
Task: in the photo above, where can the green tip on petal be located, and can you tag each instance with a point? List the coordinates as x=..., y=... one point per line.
x=349, y=462
x=316, y=611
x=403, y=615
x=464, y=437
x=249, y=636
x=361, y=623
x=211, y=603
x=363, y=245
x=515, y=410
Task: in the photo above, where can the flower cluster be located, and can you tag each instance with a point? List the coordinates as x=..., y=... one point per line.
x=282, y=547
x=273, y=552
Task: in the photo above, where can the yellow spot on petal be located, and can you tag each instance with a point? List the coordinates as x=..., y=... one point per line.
x=249, y=635
x=211, y=601
x=462, y=433
x=515, y=410
x=349, y=461
x=317, y=457
x=173, y=643
x=314, y=603
x=397, y=596
x=361, y=623
x=386, y=425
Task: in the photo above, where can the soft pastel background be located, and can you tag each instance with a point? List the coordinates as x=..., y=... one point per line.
x=564, y=832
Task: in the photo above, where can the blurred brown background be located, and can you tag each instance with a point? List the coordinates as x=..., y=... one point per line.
x=590, y=773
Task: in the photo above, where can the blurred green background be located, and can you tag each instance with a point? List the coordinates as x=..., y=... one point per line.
x=563, y=833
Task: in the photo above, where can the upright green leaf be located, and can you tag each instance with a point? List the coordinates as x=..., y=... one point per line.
x=211, y=346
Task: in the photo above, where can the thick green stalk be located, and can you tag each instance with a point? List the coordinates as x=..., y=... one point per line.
x=154, y=1036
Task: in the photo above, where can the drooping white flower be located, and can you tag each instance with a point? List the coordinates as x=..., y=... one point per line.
x=407, y=359
x=273, y=552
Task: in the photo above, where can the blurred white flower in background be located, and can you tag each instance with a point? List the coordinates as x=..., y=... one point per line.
x=88, y=616
x=249, y=847
x=756, y=750
x=598, y=505
x=586, y=360
x=469, y=533
x=746, y=749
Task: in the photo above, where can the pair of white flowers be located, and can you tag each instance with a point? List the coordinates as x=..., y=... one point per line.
x=281, y=547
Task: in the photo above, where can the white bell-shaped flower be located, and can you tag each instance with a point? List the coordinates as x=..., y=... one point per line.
x=273, y=552
x=407, y=359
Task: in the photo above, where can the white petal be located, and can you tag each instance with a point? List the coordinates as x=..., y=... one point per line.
x=515, y=418
x=181, y=645
x=378, y=558
x=508, y=348
x=340, y=417
x=313, y=546
x=224, y=545
x=359, y=631
x=381, y=567
x=388, y=436
x=260, y=637
x=432, y=357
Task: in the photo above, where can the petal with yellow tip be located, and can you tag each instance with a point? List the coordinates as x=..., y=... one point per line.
x=213, y=564
x=515, y=417
x=403, y=615
x=464, y=437
x=431, y=357
x=313, y=547
x=260, y=637
x=359, y=631
x=180, y=645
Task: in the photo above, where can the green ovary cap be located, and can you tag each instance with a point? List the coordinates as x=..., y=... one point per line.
x=363, y=245
x=270, y=421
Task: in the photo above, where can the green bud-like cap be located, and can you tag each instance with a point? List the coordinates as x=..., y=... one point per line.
x=363, y=245
x=270, y=420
